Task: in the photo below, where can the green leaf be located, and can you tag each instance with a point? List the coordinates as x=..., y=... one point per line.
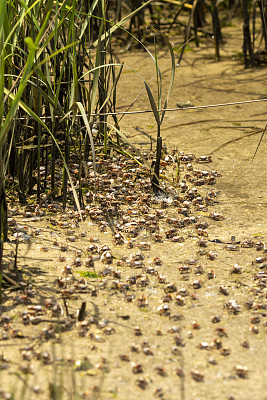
x=152, y=103
x=30, y=44
x=86, y=122
x=172, y=72
x=3, y=5
x=171, y=80
x=124, y=137
x=24, y=80
x=30, y=112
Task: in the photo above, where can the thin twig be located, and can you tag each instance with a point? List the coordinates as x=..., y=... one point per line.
x=237, y=139
x=264, y=130
x=65, y=306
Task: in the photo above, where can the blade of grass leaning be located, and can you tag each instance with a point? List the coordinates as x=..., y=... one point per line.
x=86, y=122
x=103, y=74
x=171, y=78
x=158, y=76
x=54, y=33
x=187, y=31
x=179, y=3
x=9, y=152
x=87, y=19
x=71, y=39
x=124, y=137
x=2, y=185
x=2, y=59
x=114, y=85
x=152, y=103
x=96, y=77
x=128, y=33
x=150, y=95
x=135, y=38
x=30, y=112
x=257, y=148
x=24, y=80
x=120, y=23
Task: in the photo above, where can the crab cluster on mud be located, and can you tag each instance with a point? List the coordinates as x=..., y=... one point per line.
x=131, y=254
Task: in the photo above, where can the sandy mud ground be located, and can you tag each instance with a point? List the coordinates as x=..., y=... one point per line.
x=175, y=304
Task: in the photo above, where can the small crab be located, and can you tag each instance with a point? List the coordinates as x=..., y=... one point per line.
x=241, y=371
x=216, y=216
x=231, y=247
x=197, y=376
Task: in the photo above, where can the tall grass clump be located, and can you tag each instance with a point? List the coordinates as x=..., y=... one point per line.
x=11, y=93
x=57, y=71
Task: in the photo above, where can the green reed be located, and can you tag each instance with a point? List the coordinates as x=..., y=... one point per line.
x=56, y=69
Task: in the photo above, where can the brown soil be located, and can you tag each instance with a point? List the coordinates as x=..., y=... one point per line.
x=201, y=345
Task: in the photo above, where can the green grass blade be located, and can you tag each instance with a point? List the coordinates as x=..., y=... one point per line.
x=48, y=93
x=113, y=88
x=158, y=76
x=94, y=90
x=171, y=80
x=187, y=31
x=86, y=122
x=3, y=5
x=122, y=22
x=19, y=22
x=24, y=80
x=152, y=103
x=172, y=71
x=124, y=137
x=31, y=113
